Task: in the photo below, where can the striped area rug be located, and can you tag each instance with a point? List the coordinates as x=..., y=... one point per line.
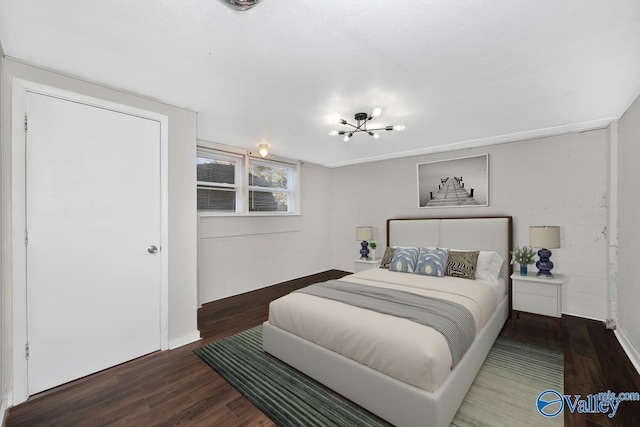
x=503, y=394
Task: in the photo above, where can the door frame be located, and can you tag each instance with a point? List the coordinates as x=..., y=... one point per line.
x=20, y=88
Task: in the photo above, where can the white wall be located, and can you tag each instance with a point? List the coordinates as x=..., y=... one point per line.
x=628, y=289
x=559, y=180
x=238, y=254
x=182, y=221
x=5, y=348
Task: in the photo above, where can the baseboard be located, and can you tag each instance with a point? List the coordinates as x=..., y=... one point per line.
x=184, y=340
x=309, y=279
x=582, y=316
x=629, y=349
x=3, y=411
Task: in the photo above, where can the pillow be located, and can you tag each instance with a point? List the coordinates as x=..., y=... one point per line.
x=404, y=260
x=484, y=264
x=462, y=264
x=489, y=266
x=387, y=257
x=431, y=262
x=494, y=270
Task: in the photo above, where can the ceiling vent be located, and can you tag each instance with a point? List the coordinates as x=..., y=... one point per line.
x=241, y=4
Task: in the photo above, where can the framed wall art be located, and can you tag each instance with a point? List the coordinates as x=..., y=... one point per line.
x=461, y=182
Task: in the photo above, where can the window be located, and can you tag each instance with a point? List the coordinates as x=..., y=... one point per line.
x=218, y=179
x=270, y=185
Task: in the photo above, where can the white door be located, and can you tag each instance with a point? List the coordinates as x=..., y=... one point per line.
x=92, y=213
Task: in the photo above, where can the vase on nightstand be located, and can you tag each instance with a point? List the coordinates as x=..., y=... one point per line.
x=523, y=269
x=372, y=254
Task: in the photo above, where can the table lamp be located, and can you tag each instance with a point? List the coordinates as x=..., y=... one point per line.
x=545, y=237
x=364, y=234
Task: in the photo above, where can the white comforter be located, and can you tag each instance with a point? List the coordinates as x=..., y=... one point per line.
x=408, y=351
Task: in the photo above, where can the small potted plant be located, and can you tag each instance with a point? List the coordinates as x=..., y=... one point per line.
x=524, y=257
x=372, y=252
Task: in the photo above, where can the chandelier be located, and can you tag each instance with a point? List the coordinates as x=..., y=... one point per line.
x=241, y=4
x=361, y=125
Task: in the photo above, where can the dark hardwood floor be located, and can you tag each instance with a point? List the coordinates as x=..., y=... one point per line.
x=176, y=388
x=593, y=362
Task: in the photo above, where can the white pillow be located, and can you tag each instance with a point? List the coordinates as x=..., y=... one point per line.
x=489, y=266
x=484, y=264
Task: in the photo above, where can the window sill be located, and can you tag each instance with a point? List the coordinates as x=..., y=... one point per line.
x=247, y=215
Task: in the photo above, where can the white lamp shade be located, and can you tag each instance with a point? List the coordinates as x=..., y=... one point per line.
x=364, y=233
x=544, y=236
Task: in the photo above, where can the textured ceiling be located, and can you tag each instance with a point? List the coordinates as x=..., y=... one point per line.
x=454, y=72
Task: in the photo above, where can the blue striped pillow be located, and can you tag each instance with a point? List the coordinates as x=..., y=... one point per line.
x=404, y=260
x=432, y=262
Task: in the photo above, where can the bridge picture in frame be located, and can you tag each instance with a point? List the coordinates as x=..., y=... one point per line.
x=460, y=182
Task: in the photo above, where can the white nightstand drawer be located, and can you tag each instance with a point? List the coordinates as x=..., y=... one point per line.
x=546, y=305
x=535, y=288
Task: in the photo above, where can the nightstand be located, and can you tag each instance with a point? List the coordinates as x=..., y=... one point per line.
x=365, y=264
x=537, y=295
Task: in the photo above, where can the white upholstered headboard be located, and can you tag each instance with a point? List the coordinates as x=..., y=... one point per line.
x=475, y=233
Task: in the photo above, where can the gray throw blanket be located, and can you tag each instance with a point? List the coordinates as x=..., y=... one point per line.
x=451, y=319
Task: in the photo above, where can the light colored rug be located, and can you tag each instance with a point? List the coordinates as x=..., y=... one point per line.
x=503, y=394
x=505, y=390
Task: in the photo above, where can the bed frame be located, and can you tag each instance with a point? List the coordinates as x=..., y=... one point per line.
x=399, y=403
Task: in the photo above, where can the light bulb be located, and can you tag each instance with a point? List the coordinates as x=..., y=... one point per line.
x=376, y=135
x=263, y=149
x=376, y=112
x=333, y=133
x=333, y=118
x=347, y=137
x=399, y=128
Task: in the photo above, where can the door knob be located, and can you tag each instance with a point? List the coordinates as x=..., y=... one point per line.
x=152, y=249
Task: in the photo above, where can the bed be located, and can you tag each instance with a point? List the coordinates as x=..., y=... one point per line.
x=395, y=380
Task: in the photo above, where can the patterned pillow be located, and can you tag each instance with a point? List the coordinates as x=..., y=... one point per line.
x=431, y=262
x=404, y=260
x=462, y=264
x=387, y=257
